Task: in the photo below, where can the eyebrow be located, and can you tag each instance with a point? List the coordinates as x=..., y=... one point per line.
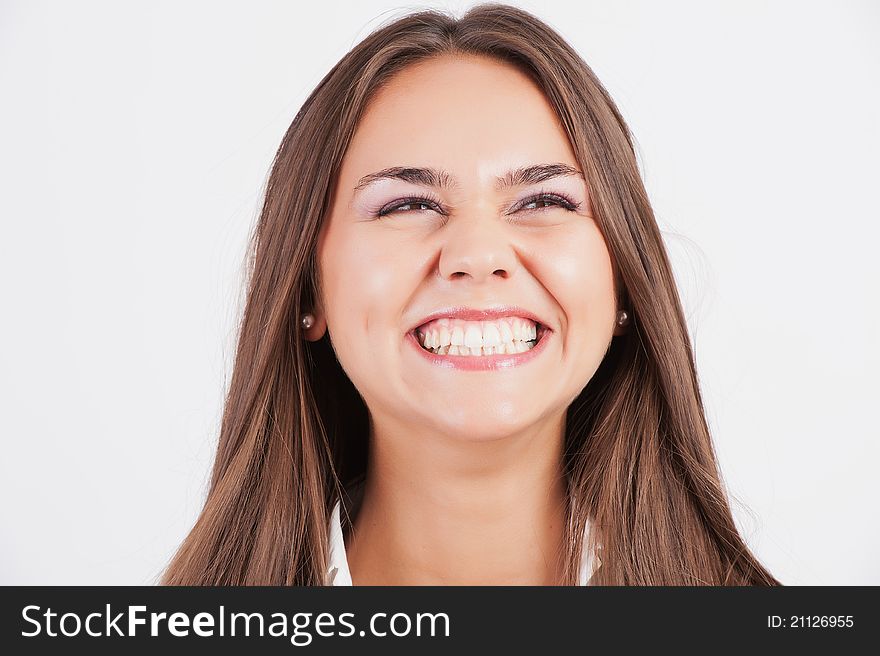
x=430, y=177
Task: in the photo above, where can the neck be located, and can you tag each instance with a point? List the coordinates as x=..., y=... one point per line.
x=444, y=511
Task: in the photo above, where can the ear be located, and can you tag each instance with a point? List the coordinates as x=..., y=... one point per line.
x=618, y=329
x=319, y=326
x=622, y=299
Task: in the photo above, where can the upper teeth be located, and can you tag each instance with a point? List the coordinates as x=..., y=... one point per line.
x=476, y=334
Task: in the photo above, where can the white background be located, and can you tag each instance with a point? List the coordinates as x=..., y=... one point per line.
x=135, y=139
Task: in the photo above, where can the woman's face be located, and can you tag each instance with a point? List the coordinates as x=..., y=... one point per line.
x=470, y=242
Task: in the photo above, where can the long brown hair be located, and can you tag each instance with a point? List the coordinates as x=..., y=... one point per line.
x=639, y=461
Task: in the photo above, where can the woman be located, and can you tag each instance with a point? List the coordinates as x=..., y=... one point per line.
x=463, y=358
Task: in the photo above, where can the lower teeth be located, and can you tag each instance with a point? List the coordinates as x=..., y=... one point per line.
x=457, y=350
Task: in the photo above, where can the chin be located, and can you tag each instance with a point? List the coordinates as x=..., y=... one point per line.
x=481, y=424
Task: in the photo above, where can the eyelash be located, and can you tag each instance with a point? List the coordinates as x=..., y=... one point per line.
x=559, y=199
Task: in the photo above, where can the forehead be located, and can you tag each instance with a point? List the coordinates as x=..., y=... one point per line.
x=473, y=115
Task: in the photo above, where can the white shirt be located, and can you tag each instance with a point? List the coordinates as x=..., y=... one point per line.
x=339, y=574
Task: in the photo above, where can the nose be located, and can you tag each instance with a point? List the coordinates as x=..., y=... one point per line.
x=477, y=246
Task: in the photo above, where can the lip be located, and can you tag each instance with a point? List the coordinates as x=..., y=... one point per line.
x=483, y=362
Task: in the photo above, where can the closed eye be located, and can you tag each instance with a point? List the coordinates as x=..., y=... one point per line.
x=544, y=200
x=410, y=204
x=538, y=202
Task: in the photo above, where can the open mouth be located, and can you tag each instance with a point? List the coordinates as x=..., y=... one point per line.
x=457, y=338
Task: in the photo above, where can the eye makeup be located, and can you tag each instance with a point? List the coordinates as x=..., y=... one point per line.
x=429, y=202
x=558, y=199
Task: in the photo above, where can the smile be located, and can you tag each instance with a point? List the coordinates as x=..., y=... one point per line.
x=505, y=335
x=500, y=343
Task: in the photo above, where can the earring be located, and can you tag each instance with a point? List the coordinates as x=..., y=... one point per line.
x=622, y=318
x=307, y=321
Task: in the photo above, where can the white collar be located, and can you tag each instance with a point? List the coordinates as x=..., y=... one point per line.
x=339, y=574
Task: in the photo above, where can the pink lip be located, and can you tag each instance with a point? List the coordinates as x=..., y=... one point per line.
x=474, y=314
x=483, y=362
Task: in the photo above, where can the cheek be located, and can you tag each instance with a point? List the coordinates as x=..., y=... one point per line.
x=365, y=283
x=578, y=272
